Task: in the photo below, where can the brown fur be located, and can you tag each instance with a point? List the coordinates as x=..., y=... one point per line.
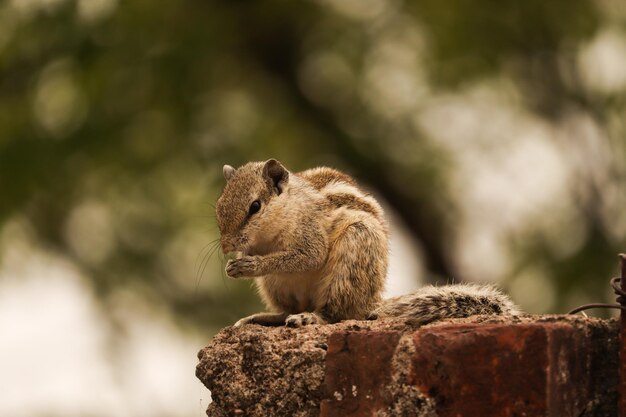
x=352, y=202
x=318, y=248
x=311, y=249
x=434, y=303
x=322, y=176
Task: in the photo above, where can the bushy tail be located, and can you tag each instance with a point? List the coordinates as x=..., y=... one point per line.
x=432, y=303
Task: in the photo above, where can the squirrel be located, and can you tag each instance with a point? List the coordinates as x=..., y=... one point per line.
x=317, y=245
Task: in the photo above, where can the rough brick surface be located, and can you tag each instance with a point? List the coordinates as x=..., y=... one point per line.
x=271, y=371
x=477, y=370
x=358, y=368
x=534, y=369
x=482, y=366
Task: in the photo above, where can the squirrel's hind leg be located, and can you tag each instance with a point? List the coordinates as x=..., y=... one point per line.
x=264, y=319
x=357, y=266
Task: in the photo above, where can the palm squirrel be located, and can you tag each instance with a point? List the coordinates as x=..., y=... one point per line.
x=318, y=246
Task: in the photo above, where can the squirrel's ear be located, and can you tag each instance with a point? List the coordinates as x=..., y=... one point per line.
x=228, y=172
x=276, y=174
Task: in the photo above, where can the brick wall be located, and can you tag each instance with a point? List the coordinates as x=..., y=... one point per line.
x=524, y=366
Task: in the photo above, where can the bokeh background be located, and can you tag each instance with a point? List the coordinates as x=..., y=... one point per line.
x=494, y=133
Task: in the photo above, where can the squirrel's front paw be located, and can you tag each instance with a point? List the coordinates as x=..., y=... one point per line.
x=302, y=319
x=243, y=267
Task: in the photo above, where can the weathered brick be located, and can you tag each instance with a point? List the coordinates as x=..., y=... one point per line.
x=538, y=369
x=358, y=367
x=482, y=366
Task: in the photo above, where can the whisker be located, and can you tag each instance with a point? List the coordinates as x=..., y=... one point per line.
x=210, y=249
x=202, y=250
x=208, y=259
x=204, y=216
x=199, y=265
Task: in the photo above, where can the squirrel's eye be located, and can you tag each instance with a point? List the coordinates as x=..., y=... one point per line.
x=254, y=207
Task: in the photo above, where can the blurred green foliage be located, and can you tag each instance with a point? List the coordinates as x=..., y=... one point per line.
x=116, y=117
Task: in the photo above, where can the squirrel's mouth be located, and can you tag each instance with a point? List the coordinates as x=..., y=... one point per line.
x=241, y=252
x=256, y=250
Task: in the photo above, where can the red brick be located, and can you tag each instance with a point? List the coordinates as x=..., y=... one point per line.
x=358, y=367
x=503, y=369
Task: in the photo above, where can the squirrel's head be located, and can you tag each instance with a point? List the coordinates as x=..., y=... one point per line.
x=248, y=208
